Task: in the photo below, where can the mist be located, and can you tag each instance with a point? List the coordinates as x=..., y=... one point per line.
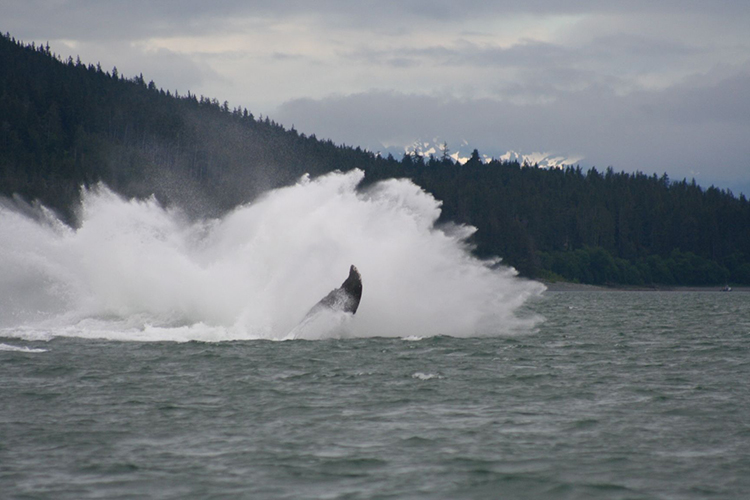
x=135, y=270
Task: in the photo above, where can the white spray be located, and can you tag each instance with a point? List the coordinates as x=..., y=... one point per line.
x=136, y=271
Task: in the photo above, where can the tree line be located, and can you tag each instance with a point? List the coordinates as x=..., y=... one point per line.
x=590, y=226
x=65, y=124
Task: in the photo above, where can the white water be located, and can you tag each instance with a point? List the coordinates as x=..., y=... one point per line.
x=6, y=347
x=136, y=271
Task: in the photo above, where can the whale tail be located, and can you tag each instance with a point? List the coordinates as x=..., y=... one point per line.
x=352, y=286
x=345, y=298
x=331, y=314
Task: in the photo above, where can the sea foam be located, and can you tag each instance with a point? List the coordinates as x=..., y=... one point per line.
x=134, y=270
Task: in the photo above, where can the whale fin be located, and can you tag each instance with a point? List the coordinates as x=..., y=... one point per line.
x=329, y=317
x=345, y=298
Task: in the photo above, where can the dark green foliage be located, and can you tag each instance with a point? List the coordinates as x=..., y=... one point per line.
x=593, y=227
x=64, y=125
x=598, y=267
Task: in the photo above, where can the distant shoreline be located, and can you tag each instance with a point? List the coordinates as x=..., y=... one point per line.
x=565, y=286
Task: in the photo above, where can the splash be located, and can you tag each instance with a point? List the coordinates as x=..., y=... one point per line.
x=13, y=348
x=134, y=270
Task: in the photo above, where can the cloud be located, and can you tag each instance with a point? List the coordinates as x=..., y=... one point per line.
x=684, y=131
x=726, y=101
x=93, y=19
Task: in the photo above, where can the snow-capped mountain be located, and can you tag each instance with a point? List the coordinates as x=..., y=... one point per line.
x=462, y=153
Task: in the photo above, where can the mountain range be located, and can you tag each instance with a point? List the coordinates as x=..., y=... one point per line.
x=462, y=152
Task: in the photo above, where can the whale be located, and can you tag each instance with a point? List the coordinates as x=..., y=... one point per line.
x=344, y=298
x=330, y=316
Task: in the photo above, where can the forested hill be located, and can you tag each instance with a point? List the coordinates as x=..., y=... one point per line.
x=593, y=227
x=64, y=124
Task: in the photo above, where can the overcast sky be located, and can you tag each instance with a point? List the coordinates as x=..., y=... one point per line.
x=653, y=85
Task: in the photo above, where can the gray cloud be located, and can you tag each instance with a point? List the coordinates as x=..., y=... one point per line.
x=649, y=131
x=96, y=19
x=727, y=101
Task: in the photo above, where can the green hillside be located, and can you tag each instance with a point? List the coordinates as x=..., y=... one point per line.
x=65, y=124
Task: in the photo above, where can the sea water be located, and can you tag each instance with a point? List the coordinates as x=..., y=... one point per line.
x=129, y=369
